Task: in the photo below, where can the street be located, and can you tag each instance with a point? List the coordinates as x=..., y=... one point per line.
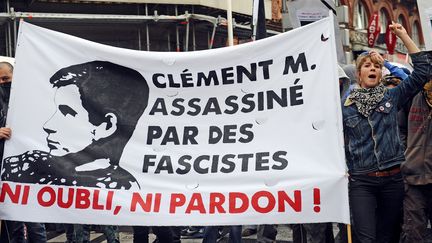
x=126, y=236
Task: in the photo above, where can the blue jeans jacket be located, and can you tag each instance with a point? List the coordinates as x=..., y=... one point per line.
x=373, y=143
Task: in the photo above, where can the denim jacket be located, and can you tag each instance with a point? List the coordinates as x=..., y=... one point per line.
x=373, y=143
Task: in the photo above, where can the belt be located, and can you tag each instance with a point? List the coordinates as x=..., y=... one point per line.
x=384, y=173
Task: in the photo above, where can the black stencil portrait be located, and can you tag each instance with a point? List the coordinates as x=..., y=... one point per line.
x=98, y=105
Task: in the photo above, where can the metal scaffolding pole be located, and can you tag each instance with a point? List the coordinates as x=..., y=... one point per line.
x=255, y=18
x=139, y=31
x=193, y=32
x=111, y=18
x=177, y=33
x=187, y=33
x=6, y=43
x=37, y=17
x=15, y=28
x=9, y=39
x=169, y=42
x=193, y=37
x=147, y=30
x=230, y=23
x=212, y=36
x=208, y=39
x=8, y=33
x=139, y=39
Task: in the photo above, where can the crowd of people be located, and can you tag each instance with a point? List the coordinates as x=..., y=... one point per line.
x=387, y=122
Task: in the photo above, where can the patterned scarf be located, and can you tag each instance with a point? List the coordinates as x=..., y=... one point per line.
x=366, y=100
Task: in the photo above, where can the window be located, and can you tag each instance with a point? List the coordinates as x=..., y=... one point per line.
x=383, y=20
x=360, y=18
x=401, y=20
x=415, y=33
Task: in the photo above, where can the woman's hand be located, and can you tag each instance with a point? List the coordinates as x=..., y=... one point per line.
x=376, y=57
x=398, y=29
x=401, y=32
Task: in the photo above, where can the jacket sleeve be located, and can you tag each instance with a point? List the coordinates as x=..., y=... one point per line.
x=403, y=123
x=395, y=70
x=419, y=77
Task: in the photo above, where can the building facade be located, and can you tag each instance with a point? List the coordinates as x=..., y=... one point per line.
x=152, y=25
x=187, y=25
x=354, y=15
x=401, y=11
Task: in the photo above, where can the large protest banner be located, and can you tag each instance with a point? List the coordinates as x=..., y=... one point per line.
x=249, y=134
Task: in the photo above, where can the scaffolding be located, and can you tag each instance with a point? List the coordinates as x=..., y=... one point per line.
x=185, y=24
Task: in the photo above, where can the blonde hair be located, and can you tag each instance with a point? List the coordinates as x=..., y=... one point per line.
x=362, y=58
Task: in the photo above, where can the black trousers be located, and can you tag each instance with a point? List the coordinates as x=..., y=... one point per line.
x=376, y=206
x=164, y=234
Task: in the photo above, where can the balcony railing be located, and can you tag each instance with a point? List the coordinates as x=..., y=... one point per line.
x=360, y=38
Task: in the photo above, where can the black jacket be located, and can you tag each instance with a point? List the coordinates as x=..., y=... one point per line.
x=4, y=105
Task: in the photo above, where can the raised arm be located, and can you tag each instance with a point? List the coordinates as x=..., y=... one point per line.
x=401, y=32
x=422, y=67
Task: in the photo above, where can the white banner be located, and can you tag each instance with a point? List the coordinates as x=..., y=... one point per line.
x=425, y=11
x=249, y=134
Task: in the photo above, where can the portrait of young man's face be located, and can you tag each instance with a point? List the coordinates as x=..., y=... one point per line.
x=69, y=129
x=97, y=106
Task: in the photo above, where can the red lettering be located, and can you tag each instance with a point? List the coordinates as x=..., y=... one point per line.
x=82, y=199
x=196, y=204
x=25, y=195
x=317, y=199
x=263, y=194
x=137, y=199
x=69, y=200
x=177, y=200
x=294, y=204
x=157, y=202
x=13, y=195
x=47, y=191
x=233, y=208
x=62, y=197
x=96, y=200
x=109, y=200
x=216, y=202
